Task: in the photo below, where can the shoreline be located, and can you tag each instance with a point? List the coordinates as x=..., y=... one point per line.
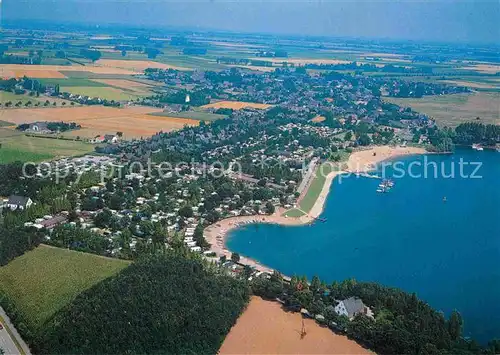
x=360, y=162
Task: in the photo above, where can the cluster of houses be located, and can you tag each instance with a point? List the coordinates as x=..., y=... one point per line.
x=352, y=98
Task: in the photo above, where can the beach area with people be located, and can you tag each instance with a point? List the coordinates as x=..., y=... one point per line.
x=359, y=162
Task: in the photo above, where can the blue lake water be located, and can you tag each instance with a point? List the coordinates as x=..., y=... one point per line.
x=447, y=252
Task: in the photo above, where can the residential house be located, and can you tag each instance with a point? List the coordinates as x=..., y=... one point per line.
x=97, y=140
x=18, y=203
x=110, y=138
x=39, y=127
x=350, y=307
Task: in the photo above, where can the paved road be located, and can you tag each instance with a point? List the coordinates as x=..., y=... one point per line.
x=6, y=342
x=308, y=175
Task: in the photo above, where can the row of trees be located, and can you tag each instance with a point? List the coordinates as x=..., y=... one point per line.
x=53, y=126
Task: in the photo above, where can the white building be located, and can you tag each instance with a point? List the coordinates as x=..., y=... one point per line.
x=350, y=307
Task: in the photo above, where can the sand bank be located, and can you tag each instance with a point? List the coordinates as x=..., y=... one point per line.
x=359, y=162
x=265, y=328
x=367, y=160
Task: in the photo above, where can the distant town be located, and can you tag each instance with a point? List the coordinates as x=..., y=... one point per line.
x=142, y=175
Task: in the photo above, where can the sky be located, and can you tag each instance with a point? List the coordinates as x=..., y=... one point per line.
x=467, y=21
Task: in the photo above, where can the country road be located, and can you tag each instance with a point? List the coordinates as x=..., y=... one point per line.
x=7, y=343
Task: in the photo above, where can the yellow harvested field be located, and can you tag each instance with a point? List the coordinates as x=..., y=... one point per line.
x=134, y=121
x=236, y=105
x=135, y=126
x=472, y=84
x=136, y=66
x=32, y=71
x=483, y=68
x=318, y=118
x=264, y=328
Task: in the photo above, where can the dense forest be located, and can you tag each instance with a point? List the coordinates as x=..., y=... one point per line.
x=16, y=241
x=402, y=324
x=468, y=133
x=473, y=132
x=163, y=304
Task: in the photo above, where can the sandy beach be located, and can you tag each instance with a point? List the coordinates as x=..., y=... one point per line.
x=359, y=162
x=265, y=328
x=367, y=160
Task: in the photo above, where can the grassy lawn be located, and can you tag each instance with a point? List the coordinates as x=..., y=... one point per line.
x=6, y=124
x=451, y=110
x=6, y=96
x=316, y=186
x=45, y=279
x=8, y=155
x=18, y=147
x=194, y=115
x=103, y=92
x=293, y=213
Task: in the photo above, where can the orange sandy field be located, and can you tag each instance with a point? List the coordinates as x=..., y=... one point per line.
x=265, y=328
x=236, y=105
x=318, y=118
x=134, y=122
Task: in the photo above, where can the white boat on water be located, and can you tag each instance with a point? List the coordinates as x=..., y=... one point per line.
x=477, y=147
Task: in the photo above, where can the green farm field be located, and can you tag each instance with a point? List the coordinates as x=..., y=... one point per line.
x=451, y=110
x=70, y=82
x=42, y=281
x=108, y=93
x=6, y=96
x=19, y=147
